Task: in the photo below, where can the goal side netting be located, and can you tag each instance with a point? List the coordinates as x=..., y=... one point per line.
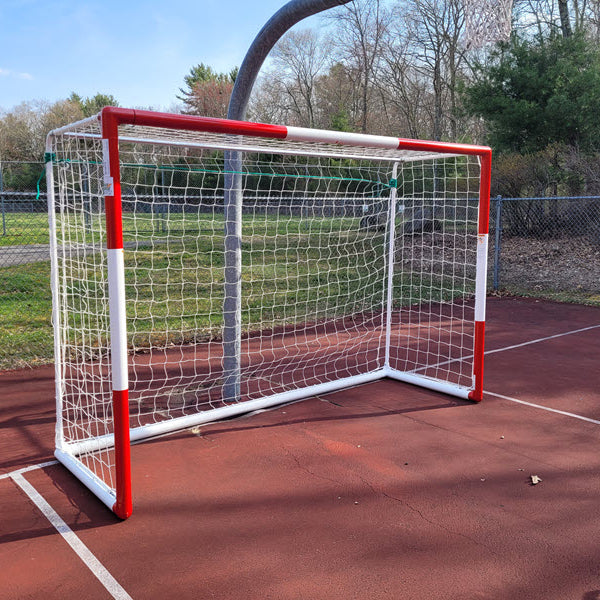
x=202, y=268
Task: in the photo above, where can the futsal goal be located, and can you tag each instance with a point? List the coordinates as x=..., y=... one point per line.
x=202, y=268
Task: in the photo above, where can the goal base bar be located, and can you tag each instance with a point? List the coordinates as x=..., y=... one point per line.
x=68, y=457
x=163, y=427
x=431, y=384
x=88, y=478
x=224, y=412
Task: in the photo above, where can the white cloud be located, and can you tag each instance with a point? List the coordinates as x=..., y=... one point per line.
x=9, y=73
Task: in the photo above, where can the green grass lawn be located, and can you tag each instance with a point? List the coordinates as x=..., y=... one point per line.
x=291, y=267
x=25, y=311
x=24, y=228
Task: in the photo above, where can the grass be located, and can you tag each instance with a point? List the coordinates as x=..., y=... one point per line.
x=310, y=273
x=24, y=228
x=25, y=309
x=292, y=267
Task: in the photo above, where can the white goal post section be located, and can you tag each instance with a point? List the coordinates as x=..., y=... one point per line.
x=202, y=268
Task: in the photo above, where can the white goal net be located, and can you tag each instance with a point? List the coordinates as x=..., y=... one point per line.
x=355, y=262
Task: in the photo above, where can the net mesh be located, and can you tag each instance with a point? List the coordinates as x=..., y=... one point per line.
x=317, y=226
x=435, y=271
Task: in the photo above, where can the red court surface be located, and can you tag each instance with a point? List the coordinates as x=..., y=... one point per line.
x=380, y=491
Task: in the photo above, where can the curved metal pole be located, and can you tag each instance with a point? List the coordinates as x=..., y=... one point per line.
x=286, y=17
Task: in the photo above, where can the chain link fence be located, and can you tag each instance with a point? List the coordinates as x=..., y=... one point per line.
x=23, y=213
x=547, y=247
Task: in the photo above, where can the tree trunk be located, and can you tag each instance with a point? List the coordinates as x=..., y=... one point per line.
x=437, y=100
x=365, y=103
x=565, y=23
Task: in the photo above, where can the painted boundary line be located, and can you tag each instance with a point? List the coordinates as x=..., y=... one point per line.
x=546, y=408
x=544, y=339
x=540, y=406
x=27, y=469
x=513, y=347
x=112, y=586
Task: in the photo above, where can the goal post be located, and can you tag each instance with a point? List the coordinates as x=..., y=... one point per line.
x=347, y=258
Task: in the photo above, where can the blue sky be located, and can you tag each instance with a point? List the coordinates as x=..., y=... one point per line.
x=139, y=51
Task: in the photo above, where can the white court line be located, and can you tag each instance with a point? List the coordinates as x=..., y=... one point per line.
x=546, y=408
x=544, y=339
x=537, y=341
x=89, y=560
x=27, y=469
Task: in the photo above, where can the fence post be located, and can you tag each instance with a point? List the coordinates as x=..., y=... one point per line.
x=497, y=242
x=164, y=205
x=2, y=200
x=87, y=201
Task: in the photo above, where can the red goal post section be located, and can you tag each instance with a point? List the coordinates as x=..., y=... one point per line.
x=112, y=118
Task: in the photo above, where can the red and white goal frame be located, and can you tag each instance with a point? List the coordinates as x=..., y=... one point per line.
x=336, y=259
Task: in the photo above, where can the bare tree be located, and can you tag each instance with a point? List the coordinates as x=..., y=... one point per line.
x=592, y=19
x=338, y=102
x=394, y=69
x=17, y=141
x=564, y=16
x=298, y=60
x=404, y=92
x=434, y=29
x=23, y=129
x=264, y=105
x=359, y=29
x=565, y=21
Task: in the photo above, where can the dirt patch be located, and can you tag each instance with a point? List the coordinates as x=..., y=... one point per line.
x=528, y=265
x=448, y=255
x=557, y=264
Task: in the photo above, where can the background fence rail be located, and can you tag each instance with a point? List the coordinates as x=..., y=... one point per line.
x=544, y=246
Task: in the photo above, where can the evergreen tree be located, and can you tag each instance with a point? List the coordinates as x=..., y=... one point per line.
x=533, y=93
x=93, y=105
x=202, y=81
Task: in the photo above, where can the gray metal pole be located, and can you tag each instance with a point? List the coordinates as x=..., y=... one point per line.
x=497, y=242
x=87, y=201
x=287, y=16
x=2, y=199
x=163, y=205
x=232, y=303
